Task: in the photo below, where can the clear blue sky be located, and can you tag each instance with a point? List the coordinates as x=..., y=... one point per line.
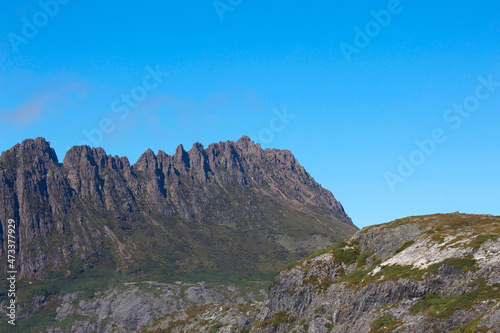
x=356, y=112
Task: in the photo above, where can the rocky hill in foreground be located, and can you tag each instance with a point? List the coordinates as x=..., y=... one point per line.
x=230, y=207
x=437, y=273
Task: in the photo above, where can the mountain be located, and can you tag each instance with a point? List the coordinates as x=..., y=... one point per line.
x=232, y=207
x=436, y=273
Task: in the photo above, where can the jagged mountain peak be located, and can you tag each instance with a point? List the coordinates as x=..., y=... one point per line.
x=33, y=148
x=96, y=209
x=197, y=146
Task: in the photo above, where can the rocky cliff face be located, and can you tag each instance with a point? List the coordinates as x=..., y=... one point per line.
x=436, y=273
x=232, y=206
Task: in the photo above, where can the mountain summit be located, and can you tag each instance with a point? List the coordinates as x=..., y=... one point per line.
x=231, y=207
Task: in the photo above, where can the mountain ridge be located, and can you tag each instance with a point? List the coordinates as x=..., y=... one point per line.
x=167, y=211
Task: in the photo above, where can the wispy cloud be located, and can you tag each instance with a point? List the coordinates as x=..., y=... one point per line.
x=27, y=112
x=39, y=105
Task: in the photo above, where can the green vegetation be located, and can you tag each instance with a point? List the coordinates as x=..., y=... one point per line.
x=277, y=319
x=442, y=306
x=327, y=249
x=69, y=321
x=87, y=285
x=395, y=272
x=465, y=264
x=405, y=246
x=354, y=242
x=384, y=324
x=319, y=284
x=291, y=265
x=343, y=252
x=216, y=327
x=320, y=309
x=472, y=327
x=361, y=277
x=355, y=278
x=36, y=323
x=483, y=238
x=317, y=253
x=192, y=314
x=219, y=278
x=349, y=256
x=329, y=326
x=362, y=258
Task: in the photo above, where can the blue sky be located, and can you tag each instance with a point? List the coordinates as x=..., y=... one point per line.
x=73, y=67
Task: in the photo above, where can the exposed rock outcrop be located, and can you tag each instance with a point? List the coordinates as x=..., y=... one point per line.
x=436, y=273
